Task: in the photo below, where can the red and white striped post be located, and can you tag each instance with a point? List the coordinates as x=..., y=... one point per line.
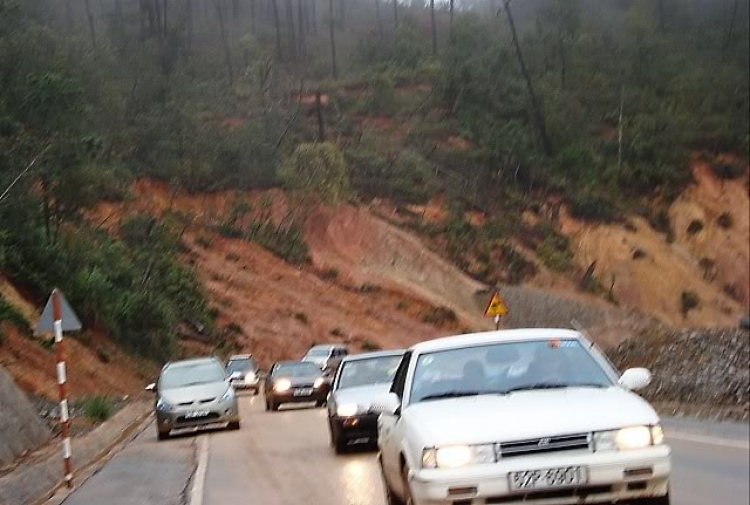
x=61, y=380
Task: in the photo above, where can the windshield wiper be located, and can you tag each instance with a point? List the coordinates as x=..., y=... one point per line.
x=552, y=385
x=453, y=394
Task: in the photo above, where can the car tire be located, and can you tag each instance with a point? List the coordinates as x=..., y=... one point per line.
x=408, y=498
x=160, y=435
x=661, y=500
x=275, y=406
x=320, y=403
x=256, y=392
x=340, y=444
x=234, y=426
x=390, y=497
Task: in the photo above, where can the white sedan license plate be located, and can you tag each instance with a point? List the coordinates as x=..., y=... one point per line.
x=550, y=478
x=303, y=392
x=196, y=413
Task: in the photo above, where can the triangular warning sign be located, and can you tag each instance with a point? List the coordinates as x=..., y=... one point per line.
x=46, y=322
x=496, y=307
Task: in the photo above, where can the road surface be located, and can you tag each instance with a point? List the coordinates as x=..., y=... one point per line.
x=284, y=458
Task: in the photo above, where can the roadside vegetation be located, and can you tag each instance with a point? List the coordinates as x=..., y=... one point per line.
x=594, y=105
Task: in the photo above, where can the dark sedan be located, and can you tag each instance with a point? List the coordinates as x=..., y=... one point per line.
x=360, y=380
x=295, y=382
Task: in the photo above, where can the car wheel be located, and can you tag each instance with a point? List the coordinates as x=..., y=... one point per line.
x=390, y=498
x=340, y=444
x=268, y=406
x=661, y=500
x=160, y=435
x=408, y=499
x=320, y=403
x=275, y=406
x=234, y=426
x=256, y=392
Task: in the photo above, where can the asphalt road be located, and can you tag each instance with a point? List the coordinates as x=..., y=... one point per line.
x=284, y=458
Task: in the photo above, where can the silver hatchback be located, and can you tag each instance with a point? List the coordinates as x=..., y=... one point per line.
x=193, y=394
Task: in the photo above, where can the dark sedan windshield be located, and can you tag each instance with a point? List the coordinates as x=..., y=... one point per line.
x=366, y=372
x=240, y=365
x=191, y=375
x=296, y=370
x=506, y=368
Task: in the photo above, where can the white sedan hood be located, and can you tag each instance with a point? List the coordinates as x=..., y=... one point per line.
x=525, y=415
x=362, y=396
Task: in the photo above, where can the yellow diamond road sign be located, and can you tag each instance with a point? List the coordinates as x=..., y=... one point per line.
x=496, y=307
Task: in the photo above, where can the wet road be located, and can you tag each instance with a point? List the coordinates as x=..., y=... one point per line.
x=284, y=458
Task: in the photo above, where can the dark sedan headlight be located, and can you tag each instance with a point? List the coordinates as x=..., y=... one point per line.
x=348, y=410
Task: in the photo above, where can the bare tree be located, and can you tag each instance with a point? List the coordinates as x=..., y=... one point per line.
x=536, y=109
x=451, y=20
x=395, y=15
x=342, y=9
x=301, y=23
x=189, y=24
x=331, y=29
x=277, y=24
x=319, y=111
x=225, y=43
x=728, y=38
x=433, y=27
x=69, y=16
x=118, y=17
x=252, y=16
x=90, y=19
x=166, y=8
x=290, y=29
x=379, y=19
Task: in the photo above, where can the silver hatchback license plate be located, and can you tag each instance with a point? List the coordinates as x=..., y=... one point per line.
x=303, y=392
x=569, y=476
x=194, y=414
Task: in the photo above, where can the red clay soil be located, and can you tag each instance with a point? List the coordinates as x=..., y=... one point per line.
x=368, y=249
x=283, y=310
x=33, y=367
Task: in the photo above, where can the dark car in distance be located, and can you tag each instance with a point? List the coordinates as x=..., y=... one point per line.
x=327, y=357
x=295, y=382
x=244, y=373
x=361, y=379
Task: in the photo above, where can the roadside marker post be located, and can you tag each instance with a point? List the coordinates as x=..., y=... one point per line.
x=56, y=317
x=496, y=308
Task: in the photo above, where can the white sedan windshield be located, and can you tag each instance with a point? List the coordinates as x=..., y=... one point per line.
x=505, y=368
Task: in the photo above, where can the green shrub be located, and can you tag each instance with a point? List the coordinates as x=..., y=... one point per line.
x=555, y=253
x=10, y=314
x=370, y=346
x=592, y=207
x=695, y=226
x=688, y=301
x=286, y=242
x=724, y=170
x=439, y=316
x=317, y=170
x=301, y=317
x=98, y=408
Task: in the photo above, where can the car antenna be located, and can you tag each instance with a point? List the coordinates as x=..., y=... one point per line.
x=580, y=329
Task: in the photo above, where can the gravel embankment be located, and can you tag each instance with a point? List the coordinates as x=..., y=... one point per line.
x=706, y=369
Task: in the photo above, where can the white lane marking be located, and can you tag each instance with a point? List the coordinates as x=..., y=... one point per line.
x=199, y=479
x=700, y=439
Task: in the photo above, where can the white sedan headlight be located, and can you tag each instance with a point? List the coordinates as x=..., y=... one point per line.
x=347, y=410
x=456, y=456
x=250, y=378
x=163, y=405
x=228, y=395
x=637, y=437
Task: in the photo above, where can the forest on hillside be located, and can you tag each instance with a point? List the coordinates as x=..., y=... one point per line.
x=598, y=103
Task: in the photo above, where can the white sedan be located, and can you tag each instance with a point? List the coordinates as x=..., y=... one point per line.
x=521, y=416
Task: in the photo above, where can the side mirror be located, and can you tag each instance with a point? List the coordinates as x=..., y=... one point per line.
x=635, y=379
x=151, y=388
x=389, y=405
x=235, y=376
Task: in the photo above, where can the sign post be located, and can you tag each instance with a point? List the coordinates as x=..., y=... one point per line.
x=496, y=308
x=56, y=317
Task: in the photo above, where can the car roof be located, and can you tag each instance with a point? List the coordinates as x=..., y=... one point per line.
x=490, y=337
x=293, y=362
x=375, y=354
x=327, y=347
x=191, y=362
x=237, y=357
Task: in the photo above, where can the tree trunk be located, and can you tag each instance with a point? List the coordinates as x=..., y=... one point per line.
x=315, y=16
x=538, y=116
x=290, y=29
x=235, y=9
x=728, y=38
x=434, y=27
x=158, y=17
x=619, y=131
x=90, y=18
x=450, y=25
x=277, y=23
x=342, y=8
x=333, y=39
x=319, y=110
x=225, y=43
x=395, y=15
x=563, y=59
x=189, y=23
x=118, y=17
x=69, y=16
x=252, y=16
x=166, y=8
x=379, y=20
x=301, y=25
x=662, y=15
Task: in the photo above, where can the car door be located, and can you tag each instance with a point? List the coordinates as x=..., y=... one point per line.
x=388, y=429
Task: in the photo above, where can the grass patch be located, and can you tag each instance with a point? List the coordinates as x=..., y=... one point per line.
x=370, y=346
x=10, y=314
x=301, y=317
x=555, y=253
x=688, y=301
x=695, y=226
x=439, y=316
x=98, y=408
